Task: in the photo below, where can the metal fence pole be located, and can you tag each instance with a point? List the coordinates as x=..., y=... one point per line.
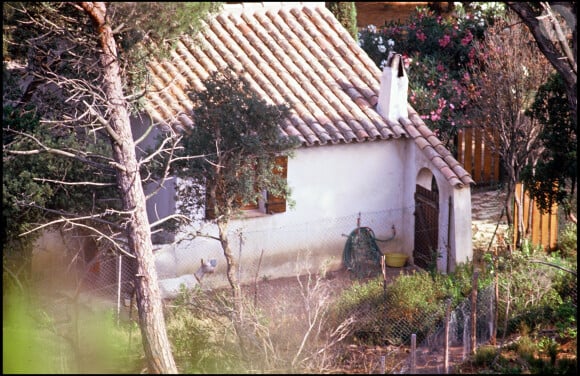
x=119, y=281
x=446, y=345
x=474, y=312
x=413, y=353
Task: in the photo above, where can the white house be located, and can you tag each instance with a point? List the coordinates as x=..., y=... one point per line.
x=366, y=156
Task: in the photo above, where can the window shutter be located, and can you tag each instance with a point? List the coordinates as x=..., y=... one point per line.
x=249, y=206
x=276, y=204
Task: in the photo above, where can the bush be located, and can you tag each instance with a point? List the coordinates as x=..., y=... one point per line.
x=438, y=54
x=412, y=304
x=200, y=339
x=568, y=241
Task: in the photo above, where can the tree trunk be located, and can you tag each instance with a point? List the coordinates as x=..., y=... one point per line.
x=231, y=264
x=234, y=283
x=151, y=320
x=564, y=63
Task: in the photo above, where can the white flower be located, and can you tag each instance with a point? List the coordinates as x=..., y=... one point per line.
x=382, y=49
x=372, y=28
x=526, y=71
x=383, y=63
x=390, y=43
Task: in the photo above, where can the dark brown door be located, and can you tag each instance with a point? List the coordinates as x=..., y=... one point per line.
x=426, y=227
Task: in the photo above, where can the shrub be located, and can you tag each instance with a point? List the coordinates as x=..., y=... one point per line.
x=438, y=54
x=568, y=241
x=412, y=304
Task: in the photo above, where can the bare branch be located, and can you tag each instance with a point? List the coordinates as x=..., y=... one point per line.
x=105, y=124
x=84, y=183
x=172, y=216
x=561, y=37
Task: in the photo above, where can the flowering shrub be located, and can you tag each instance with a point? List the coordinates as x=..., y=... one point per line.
x=438, y=53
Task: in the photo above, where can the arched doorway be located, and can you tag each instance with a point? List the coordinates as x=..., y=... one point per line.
x=426, y=221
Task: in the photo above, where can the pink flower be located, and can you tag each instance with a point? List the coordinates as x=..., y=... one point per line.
x=443, y=42
x=407, y=61
x=421, y=36
x=440, y=67
x=467, y=38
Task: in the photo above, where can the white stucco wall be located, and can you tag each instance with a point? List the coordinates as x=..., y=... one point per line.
x=455, y=244
x=330, y=186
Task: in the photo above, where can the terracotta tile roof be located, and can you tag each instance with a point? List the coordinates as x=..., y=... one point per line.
x=301, y=57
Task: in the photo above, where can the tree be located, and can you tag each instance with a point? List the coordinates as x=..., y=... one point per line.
x=78, y=82
x=239, y=137
x=544, y=21
x=345, y=13
x=553, y=179
x=509, y=75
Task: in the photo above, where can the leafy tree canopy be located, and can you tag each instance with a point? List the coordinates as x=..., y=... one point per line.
x=345, y=13
x=238, y=138
x=553, y=180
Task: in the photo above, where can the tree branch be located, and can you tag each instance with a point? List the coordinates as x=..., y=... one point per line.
x=525, y=12
x=42, y=180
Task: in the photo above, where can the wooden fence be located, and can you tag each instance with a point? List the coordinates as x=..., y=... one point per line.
x=483, y=164
x=477, y=157
x=540, y=229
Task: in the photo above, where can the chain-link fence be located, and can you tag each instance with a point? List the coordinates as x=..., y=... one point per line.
x=432, y=337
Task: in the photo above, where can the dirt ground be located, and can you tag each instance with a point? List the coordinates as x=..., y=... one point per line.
x=284, y=302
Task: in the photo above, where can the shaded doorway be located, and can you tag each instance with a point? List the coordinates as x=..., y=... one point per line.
x=426, y=226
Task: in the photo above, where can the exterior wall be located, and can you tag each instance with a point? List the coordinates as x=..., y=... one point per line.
x=455, y=234
x=330, y=186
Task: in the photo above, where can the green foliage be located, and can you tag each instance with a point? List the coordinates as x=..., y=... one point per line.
x=538, y=301
x=568, y=241
x=553, y=179
x=38, y=341
x=239, y=137
x=159, y=24
x=345, y=13
x=197, y=337
x=26, y=190
x=484, y=356
x=411, y=304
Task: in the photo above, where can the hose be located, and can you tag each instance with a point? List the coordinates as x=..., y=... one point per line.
x=360, y=239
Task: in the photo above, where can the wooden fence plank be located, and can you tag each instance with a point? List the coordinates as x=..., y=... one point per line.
x=468, y=164
x=541, y=229
x=477, y=157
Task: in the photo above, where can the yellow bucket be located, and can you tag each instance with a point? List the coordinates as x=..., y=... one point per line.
x=395, y=260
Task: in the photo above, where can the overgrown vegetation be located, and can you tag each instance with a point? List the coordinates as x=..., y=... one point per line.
x=537, y=294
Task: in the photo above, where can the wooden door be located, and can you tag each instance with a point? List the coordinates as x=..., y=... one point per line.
x=426, y=227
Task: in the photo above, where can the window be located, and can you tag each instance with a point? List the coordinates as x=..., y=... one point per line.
x=269, y=204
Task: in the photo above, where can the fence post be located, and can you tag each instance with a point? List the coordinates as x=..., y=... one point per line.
x=413, y=353
x=382, y=365
x=119, y=281
x=474, y=312
x=446, y=345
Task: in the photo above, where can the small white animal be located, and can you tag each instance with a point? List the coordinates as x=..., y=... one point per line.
x=171, y=287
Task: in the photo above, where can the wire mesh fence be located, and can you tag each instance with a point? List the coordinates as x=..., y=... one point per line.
x=439, y=335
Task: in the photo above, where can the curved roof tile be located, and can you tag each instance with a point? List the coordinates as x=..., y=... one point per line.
x=300, y=56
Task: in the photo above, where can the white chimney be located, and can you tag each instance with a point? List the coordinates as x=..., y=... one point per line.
x=392, y=103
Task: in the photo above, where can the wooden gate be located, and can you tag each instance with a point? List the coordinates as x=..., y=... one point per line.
x=426, y=227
